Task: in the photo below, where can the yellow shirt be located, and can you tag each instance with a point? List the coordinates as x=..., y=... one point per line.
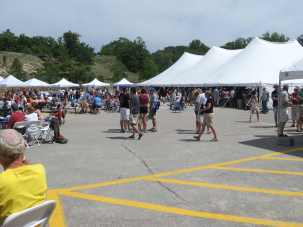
x=21, y=188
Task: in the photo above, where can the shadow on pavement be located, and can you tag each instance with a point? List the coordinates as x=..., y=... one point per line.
x=185, y=131
x=262, y=126
x=118, y=137
x=189, y=140
x=113, y=131
x=274, y=143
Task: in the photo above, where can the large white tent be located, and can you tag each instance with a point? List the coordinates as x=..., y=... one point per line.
x=293, y=72
x=11, y=81
x=123, y=83
x=64, y=83
x=258, y=64
x=34, y=82
x=167, y=77
x=197, y=74
x=96, y=83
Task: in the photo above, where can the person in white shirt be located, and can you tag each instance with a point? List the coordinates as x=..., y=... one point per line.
x=199, y=103
x=31, y=114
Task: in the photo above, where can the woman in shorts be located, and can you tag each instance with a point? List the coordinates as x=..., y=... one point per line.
x=208, y=116
x=144, y=101
x=253, y=104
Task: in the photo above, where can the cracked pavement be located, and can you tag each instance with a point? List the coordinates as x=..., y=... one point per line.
x=98, y=152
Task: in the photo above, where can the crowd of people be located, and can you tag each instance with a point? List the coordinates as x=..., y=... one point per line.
x=136, y=108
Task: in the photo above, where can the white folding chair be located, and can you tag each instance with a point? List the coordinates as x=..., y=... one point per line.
x=31, y=217
x=33, y=134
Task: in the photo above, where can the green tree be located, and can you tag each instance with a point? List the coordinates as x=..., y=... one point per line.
x=275, y=37
x=300, y=39
x=8, y=41
x=133, y=54
x=197, y=47
x=239, y=43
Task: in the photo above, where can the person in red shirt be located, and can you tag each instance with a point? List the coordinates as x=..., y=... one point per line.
x=16, y=116
x=295, y=108
x=144, y=101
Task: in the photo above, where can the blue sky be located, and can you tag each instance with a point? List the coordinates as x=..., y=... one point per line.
x=159, y=22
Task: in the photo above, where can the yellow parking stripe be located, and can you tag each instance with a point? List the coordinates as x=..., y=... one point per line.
x=178, y=171
x=251, y=170
x=283, y=159
x=179, y=211
x=227, y=187
x=57, y=219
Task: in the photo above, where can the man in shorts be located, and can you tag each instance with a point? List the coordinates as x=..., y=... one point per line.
x=22, y=185
x=295, y=108
x=274, y=97
x=124, y=110
x=134, y=113
x=154, y=106
x=199, y=103
x=284, y=103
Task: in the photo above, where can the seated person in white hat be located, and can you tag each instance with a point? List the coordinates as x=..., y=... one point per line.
x=22, y=185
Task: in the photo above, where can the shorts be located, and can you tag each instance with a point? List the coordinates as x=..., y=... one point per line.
x=133, y=119
x=295, y=113
x=198, y=117
x=208, y=119
x=143, y=110
x=254, y=109
x=124, y=114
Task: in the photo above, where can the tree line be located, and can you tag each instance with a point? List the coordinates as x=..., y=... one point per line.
x=73, y=59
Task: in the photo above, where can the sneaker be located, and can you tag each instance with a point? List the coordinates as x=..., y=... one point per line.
x=132, y=137
x=140, y=136
x=153, y=130
x=122, y=130
x=197, y=138
x=214, y=140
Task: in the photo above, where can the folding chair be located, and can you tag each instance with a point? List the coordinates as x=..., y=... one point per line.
x=33, y=134
x=31, y=217
x=46, y=135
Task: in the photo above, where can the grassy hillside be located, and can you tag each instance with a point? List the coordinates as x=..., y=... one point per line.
x=106, y=68
x=30, y=63
x=109, y=69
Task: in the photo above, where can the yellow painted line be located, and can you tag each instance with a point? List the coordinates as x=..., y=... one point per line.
x=251, y=170
x=178, y=171
x=283, y=159
x=179, y=211
x=227, y=187
x=57, y=219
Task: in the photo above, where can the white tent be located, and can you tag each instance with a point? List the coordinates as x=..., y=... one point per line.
x=11, y=81
x=292, y=72
x=259, y=63
x=96, y=83
x=36, y=83
x=123, y=83
x=167, y=77
x=198, y=74
x=63, y=83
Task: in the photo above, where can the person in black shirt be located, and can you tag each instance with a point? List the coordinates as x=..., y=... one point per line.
x=208, y=112
x=124, y=110
x=274, y=97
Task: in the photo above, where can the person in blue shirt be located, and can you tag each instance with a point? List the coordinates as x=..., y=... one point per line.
x=97, y=104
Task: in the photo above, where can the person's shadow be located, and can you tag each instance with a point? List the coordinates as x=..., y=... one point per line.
x=112, y=131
